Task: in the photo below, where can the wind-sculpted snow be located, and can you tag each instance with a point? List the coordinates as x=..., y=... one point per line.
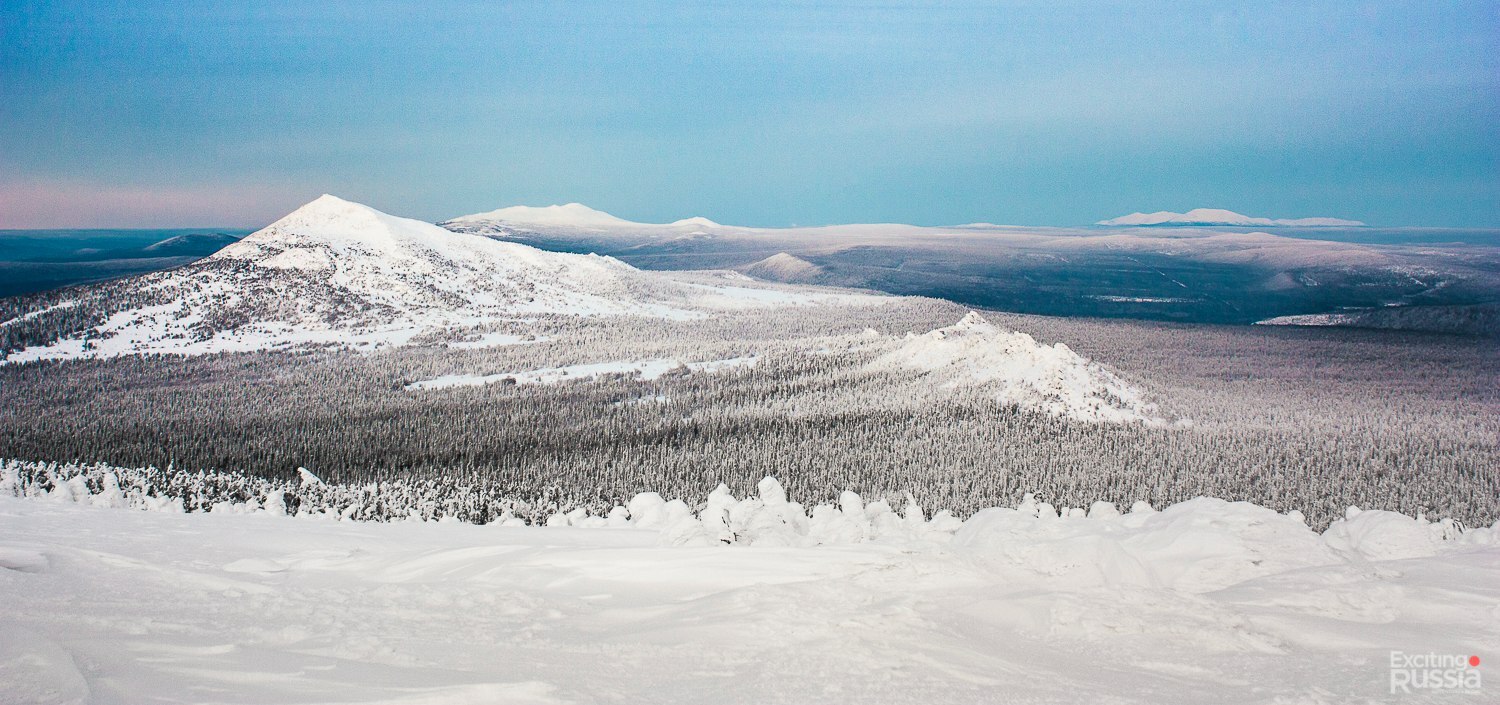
x=339, y=273
x=1050, y=378
x=726, y=600
x=1202, y=544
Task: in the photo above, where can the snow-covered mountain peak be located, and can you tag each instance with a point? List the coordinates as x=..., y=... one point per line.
x=570, y=214
x=696, y=221
x=341, y=273
x=328, y=213
x=332, y=224
x=1048, y=378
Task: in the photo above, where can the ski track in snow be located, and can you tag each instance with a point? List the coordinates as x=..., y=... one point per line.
x=1202, y=601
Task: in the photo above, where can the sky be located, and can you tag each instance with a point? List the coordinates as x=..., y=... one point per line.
x=1037, y=112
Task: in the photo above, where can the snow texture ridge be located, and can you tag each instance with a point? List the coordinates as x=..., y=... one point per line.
x=1218, y=216
x=1049, y=378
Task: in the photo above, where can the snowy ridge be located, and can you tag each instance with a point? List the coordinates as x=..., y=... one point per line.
x=1474, y=319
x=1049, y=378
x=571, y=214
x=696, y=221
x=1218, y=216
x=1311, y=319
x=340, y=273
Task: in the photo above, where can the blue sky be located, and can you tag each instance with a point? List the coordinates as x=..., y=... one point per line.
x=158, y=114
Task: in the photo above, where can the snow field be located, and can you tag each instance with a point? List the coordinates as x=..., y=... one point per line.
x=847, y=602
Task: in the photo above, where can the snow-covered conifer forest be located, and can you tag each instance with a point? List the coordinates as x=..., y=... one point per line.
x=1292, y=419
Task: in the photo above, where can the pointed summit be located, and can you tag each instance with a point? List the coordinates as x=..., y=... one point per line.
x=332, y=222
x=329, y=208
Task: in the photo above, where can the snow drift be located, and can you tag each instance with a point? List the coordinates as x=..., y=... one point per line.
x=734, y=600
x=1225, y=542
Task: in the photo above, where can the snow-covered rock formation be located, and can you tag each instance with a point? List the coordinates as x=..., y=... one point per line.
x=1049, y=378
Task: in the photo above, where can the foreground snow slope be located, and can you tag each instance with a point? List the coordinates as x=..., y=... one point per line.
x=1204, y=601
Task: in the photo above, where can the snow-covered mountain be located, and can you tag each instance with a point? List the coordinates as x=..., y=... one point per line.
x=782, y=267
x=696, y=221
x=571, y=215
x=1049, y=378
x=336, y=273
x=342, y=273
x=408, y=266
x=1218, y=216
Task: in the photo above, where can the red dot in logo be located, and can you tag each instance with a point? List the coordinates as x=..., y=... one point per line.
x=1474, y=661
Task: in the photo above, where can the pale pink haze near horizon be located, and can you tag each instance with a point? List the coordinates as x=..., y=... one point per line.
x=40, y=206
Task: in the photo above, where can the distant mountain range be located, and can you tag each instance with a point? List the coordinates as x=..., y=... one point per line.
x=1209, y=270
x=571, y=215
x=38, y=260
x=1199, y=266
x=1216, y=216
